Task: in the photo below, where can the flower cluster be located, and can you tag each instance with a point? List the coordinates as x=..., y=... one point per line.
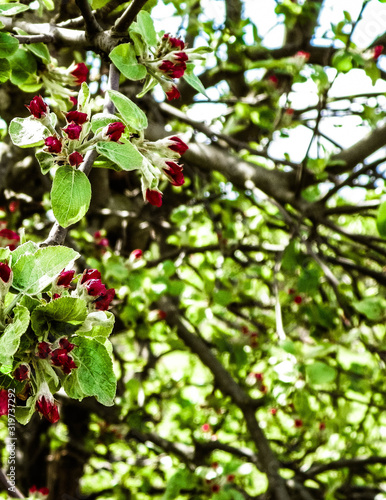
x=38, y=493
x=75, y=133
x=161, y=159
x=170, y=63
x=58, y=356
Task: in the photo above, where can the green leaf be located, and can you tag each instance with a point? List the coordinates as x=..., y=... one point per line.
x=372, y=307
x=32, y=273
x=124, y=155
x=29, y=247
x=101, y=120
x=72, y=387
x=23, y=414
x=320, y=373
x=124, y=58
x=23, y=64
x=83, y=97
x=145, y=27
x=95, y=370
x=8, y=45
x=11, y=9
x=130, y=112
x=5, y=70
x=70, y=195
x=194, y=81
x=97, y=4
x=39, y=49
x=97, y=324
x=46, y=161
x=27, y=132
x=381, y=220
x=60, y=316
x=10, y=339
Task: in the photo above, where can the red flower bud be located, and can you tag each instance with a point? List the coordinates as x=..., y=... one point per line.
x=215, y=488
x=73, y=131
x=302, y=53
x=73, y=100
x=102, y=303
x=273, y=411
x=174, y=42
x=322, y=426
x=5, y=272
x=77, y=117
x=162, y=314
x=75, y=159
x=178, y=145
x=8, y=234
x=56, y=296
x=378, y=49
x=154, y=197
x=21, y=373
x=48, y=409
x=37, y=107
x=66, y=344
x=60, y=357
x=205, y=427
x=174, y=173
x=53, y=144
x=44, y=350
x=44, y=491
x=80, y=73
x=298, y=423
x=298, y=299
x=95, y=287
x=172, y=93
x=90, y=274
x=230, y=478
x=114, y=131
x=65, y=278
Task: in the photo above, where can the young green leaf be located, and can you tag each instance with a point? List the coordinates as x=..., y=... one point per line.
x=95, y=370
x=125, y=155
x=27, y=132
x=32, y=273
x=70, y=195
x=60, y=316
x=97, y=324
x=23, y=64
x=8, y=45
x=130, y=112
x=10, y=339
x=11, y=9
x=124, y=58
x=145, y=27
x=5, y=70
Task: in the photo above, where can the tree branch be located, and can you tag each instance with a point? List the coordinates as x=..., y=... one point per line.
x=12, y=490
x=92, y=26
x=123, y=23
x=230, y=387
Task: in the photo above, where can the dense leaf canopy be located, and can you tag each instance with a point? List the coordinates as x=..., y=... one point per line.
x=249, y=343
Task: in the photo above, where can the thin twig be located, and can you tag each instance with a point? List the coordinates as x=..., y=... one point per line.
x=27, y=39
x=12, y=490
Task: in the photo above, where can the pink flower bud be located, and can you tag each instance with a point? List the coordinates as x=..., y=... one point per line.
x=3, y=402
x=302, y=53
x=75, y=159
x=77, y=117
x=137, y=253
x=102, y=303
x=178, y=145
x=37, y=107
x=21, y=373
x=80, y=73
x=73, y=100
x=73, y=131
x=44, y=350
x=90, y=274
x=154, y=197
x=113, y=131
x=65, y=278
x=53, y=144
x=48, y=409
x=5, y=272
